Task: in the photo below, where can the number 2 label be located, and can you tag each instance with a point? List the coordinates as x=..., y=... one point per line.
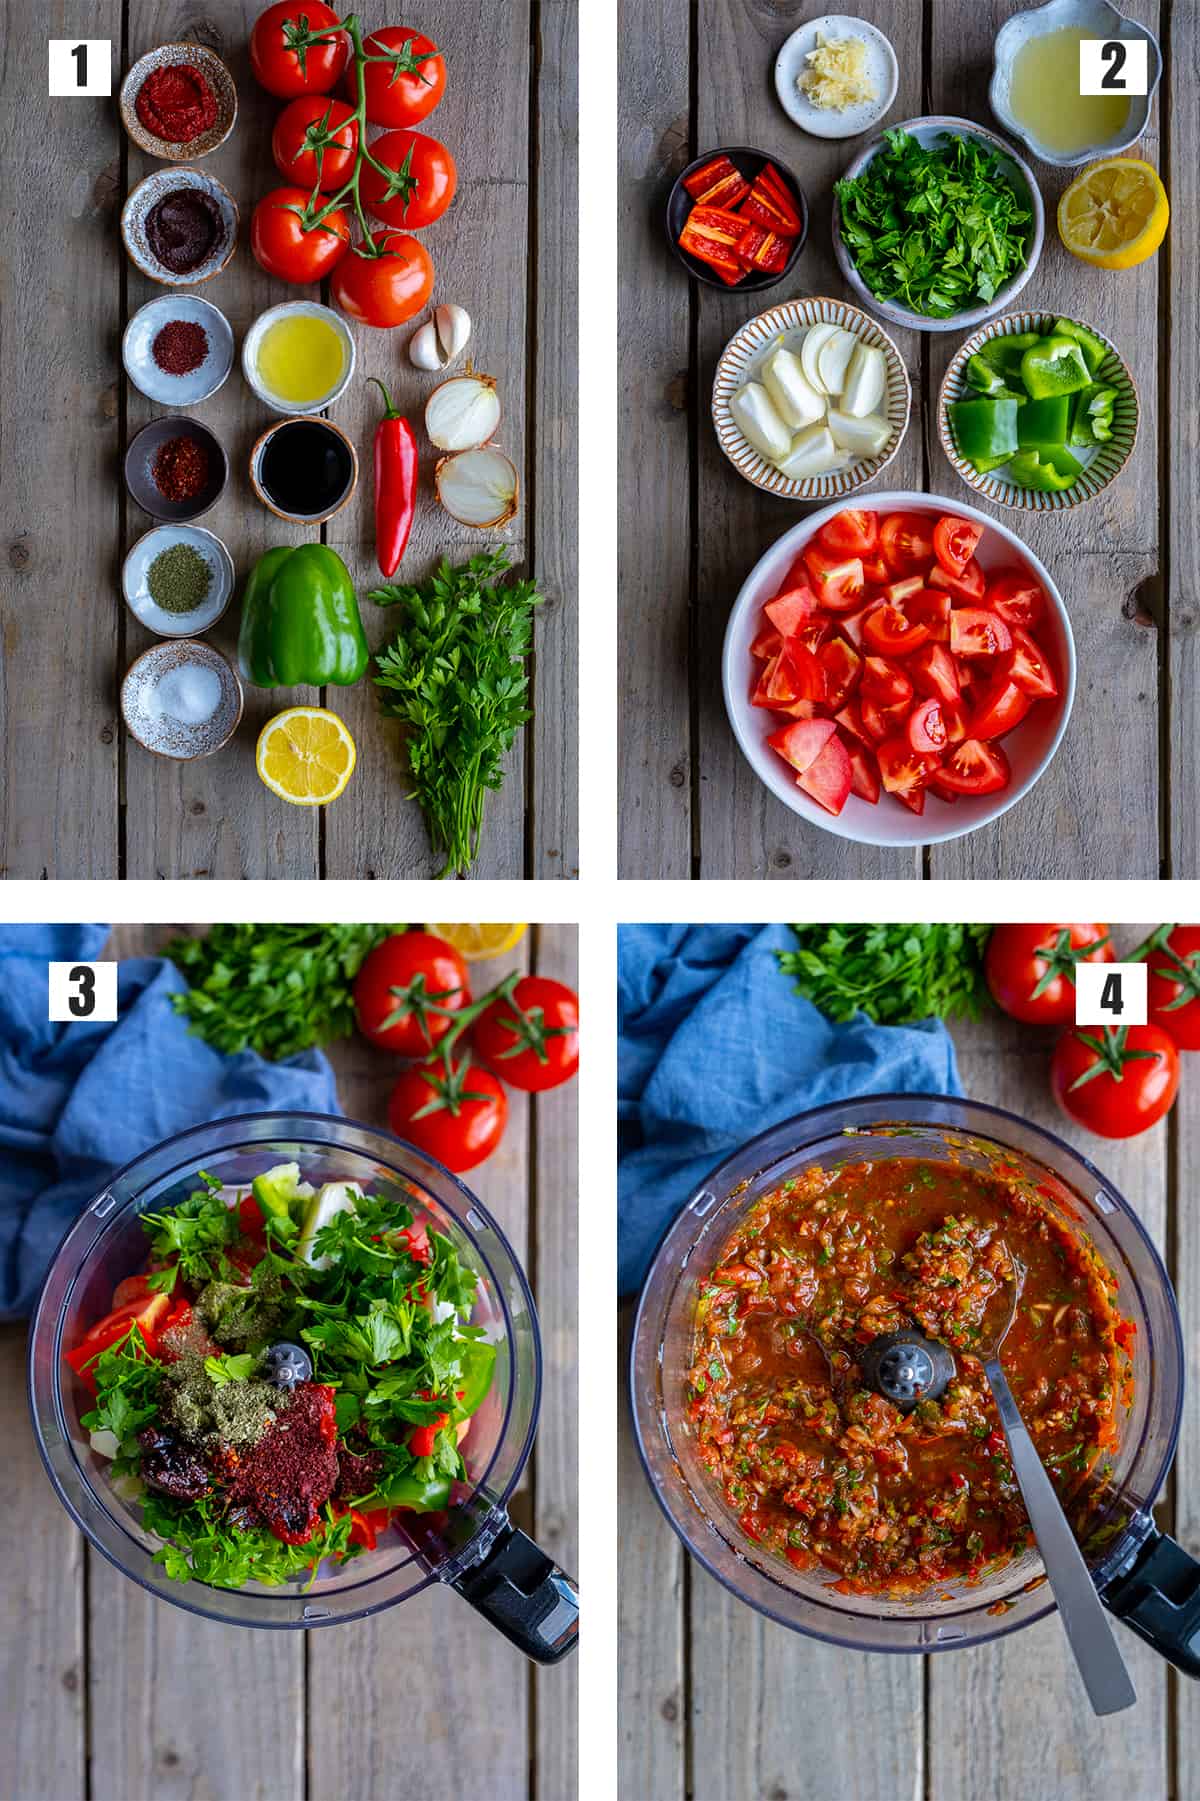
x=1114, y=66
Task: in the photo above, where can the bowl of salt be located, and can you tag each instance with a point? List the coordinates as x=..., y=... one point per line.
x=181, y=699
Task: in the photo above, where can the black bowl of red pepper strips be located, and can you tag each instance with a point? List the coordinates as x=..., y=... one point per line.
x=736, y=218
x=176, y=468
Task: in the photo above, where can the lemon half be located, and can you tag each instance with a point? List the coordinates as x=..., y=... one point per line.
x=1115, y=214
x=306, y=756
x=476, y=942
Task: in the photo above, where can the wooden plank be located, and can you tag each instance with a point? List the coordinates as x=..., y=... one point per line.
x=553, y=830
x=744, y=830
x=480, y=252
x=554, y=1274
x=1185, y=1487
x=59, y=610
x=462, y=1727
x=654, y=474
x=214, y=817
x=652, y=1699
x=1011, y=1718
x=1181, y=495
x=42, y=1675
x=1099, y=554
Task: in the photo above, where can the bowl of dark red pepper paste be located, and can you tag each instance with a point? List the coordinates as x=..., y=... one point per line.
x=180, y=226
x=178, y=102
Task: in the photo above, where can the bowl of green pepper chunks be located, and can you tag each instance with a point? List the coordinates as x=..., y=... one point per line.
x=1038, y=412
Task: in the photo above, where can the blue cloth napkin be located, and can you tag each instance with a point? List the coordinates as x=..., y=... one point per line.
x=79, y=1100
x=715, y=1046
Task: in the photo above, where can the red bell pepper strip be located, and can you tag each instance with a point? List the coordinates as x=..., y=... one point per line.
x=711, y=235
x=718, y=183
x=770, y=203
x=758, y=248
x=395, y=483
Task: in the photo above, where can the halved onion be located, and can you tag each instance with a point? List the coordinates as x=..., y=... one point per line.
x=478, y=487
x=463, y=412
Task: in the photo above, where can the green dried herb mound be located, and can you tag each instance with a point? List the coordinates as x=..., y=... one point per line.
x=895, y=974
x=215, y=1412
x=937, y=228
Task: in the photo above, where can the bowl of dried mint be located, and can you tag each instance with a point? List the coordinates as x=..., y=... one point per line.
x=178, y=580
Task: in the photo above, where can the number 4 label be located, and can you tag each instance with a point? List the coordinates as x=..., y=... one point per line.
x=1113, y=66
x=81, y=66
x=1110, y=994
x=83, y=991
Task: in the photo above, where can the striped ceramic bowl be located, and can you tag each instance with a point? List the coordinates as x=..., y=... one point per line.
x=1101, y=465
x=739, y=363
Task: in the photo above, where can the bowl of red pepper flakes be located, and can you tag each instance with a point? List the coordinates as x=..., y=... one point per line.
x=737, y=219
x=178, y=102
x=176, y=468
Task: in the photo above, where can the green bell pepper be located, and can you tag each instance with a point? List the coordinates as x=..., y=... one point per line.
x=1044, y=422
x=477, y=1361
x=1005, y=353
x=987, y=377
x=300, y=621
x=1094, y=349
x=1092, y=421
x=1049, y=470
x=984, y=427
x=409, y=1491
x=1054, y=365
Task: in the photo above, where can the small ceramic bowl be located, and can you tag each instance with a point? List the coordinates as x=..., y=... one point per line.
x=739, y=362
x=256, y=458
x=256, y=334
x=1030, y=747
x=1021, y=177
x=181, y=699
x=142, y=201
x=219, y=80
x=680, y=204
x=139, y=469
x=1102, y=464
x=1096, y=19
x=159, y=384
x=882, y=71
x=136, y=587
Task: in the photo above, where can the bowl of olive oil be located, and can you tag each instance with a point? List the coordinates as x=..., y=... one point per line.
x=298, y=357
x=1035, y=89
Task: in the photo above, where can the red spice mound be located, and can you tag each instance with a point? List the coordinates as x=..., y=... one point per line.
x=180, y=469
x=290, y=1473
x=180, y=346
x=176, y=104
x=356, y=1473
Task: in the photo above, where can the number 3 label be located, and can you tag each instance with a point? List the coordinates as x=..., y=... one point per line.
x=80, y=66
x=1113, y=66
x=80, y=991
x=1110, y=994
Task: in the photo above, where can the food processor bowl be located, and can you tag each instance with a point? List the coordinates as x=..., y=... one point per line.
x=472, y=1547
x=1132, y=1563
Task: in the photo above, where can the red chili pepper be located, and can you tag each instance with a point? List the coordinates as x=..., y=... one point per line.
x=395, y=483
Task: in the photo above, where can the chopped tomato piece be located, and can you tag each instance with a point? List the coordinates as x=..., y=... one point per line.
x=934, y=673
x=864, y=772
x=851, y=721
x=814, y=635
x=976, y=768
x=906, y=540
x=793, y=675
x=843, y=670
x=131, y=1288
x=927, y=728
x=837, y=581
x=997, y=709
x=250, y=1218
x=902, y=767
x=966, y=585
x=791, y=609
x=828, y=779
x=1029, y=667
x=891, y=633
x=913, y=798
x=954, y=542
x=801, y=744
x=886, y=682
x=977, y=633
x=1016, y=597
x=852, y=625
x=898, y=592
x=876, y=570
x=938, y=787
x=768, y=643
x=854, y=532
x=880, y=722
x=931, y=607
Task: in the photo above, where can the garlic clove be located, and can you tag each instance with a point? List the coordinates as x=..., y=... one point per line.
x=424, y=350
x=452, y=326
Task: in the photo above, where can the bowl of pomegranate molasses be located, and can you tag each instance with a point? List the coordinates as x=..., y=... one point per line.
x=304, y=470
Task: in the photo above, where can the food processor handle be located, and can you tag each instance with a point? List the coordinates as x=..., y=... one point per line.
x=1159, y=1598
x=525, y=1595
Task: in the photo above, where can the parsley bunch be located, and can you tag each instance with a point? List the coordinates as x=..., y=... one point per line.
x=455, y=675
x=191, y=1238
x=203, y=1544
x=895, y=974
x=938, y=228
x=274, y=989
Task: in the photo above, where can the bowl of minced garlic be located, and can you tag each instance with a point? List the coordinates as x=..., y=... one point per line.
x=836, y=76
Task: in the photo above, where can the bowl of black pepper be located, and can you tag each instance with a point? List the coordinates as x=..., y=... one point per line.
x=176, y=469
x=178, y=349
x=177, y=580
x=180, y=227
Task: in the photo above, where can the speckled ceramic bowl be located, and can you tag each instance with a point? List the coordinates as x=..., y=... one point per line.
x=927, y=131
x=1099, y=20
x=739, y=362
x=159, y=384
x=153, y=718
x=219, y=80
x=143, y=199
x=1101, y=464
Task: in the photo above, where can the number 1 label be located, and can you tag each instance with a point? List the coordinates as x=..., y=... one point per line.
x=80, y=67
x=1110, y=994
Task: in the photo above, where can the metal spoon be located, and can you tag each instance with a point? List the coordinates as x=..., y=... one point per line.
x=1085, y=1622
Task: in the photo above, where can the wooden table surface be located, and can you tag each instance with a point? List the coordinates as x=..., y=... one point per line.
x=78, y=796
x=720, y=1704
x=109, y=1695
x=1117, y=800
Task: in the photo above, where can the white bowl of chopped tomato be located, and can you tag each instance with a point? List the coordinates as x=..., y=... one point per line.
x=899, y=672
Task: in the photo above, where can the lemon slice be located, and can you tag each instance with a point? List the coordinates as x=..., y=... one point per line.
x=1115, y=214
x=305, y=755
x=476, y=942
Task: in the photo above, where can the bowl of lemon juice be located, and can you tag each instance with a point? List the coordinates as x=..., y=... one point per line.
x=298, y=357
x=1035, y=90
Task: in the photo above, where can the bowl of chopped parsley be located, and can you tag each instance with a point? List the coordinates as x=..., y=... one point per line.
x=938, y=224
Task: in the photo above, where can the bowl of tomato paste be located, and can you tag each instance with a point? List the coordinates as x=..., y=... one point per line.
x=178, y=102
